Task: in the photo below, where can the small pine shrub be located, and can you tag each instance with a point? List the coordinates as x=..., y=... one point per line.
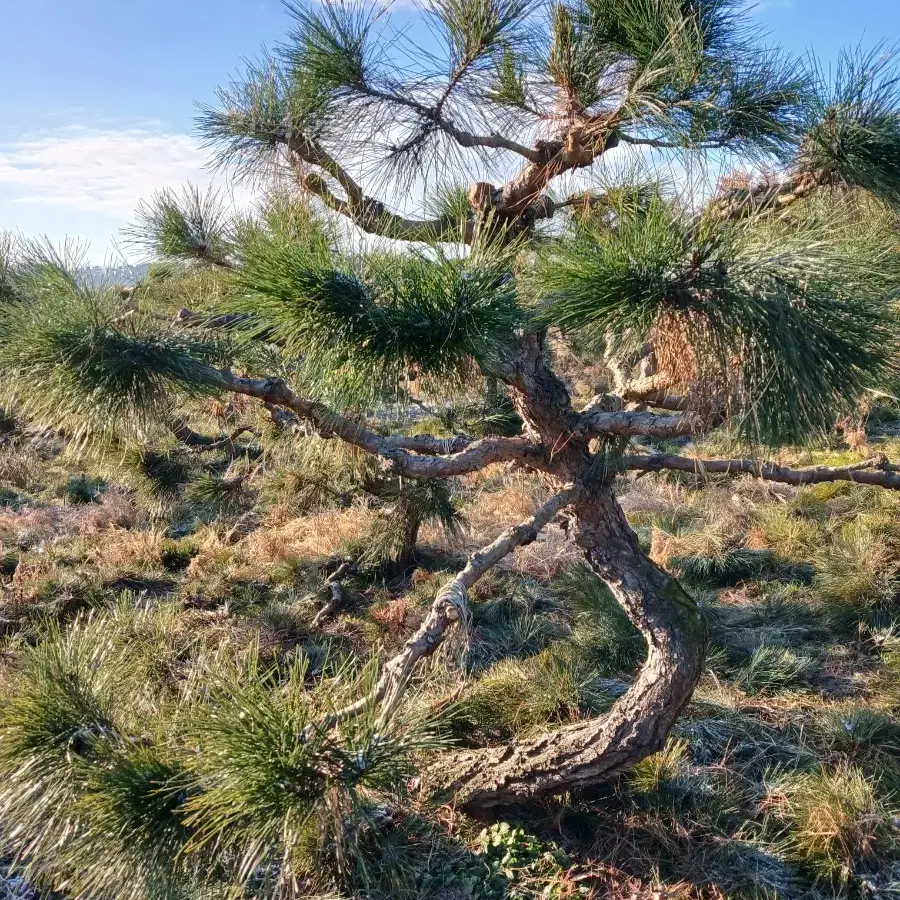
x=410, y=503
x=507, y=626
x=236, y=783
x=733, y=567
x=216, y=492
x=80, y=489
x=775, y=670
x=836, y=822
x=157, y=474
x=857, y=576
x=793, y=537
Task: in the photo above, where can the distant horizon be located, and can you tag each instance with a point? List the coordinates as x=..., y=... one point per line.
x=102, y=116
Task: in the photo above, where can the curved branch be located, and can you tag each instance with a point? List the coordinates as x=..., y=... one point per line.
x=643, y=424
x=336, y=589
x=368, y=213
x=450, y=606
x=476, y=455
x=877, y=471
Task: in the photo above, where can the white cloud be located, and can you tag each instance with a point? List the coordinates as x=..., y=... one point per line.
x=85, y=182
x=100, y=171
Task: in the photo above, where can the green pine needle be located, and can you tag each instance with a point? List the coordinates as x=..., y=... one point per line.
x=793, y=318
x=71, y=356
x=189, y=225
x=853, y=128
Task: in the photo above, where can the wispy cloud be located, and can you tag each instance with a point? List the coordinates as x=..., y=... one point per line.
x=85, y=182
x=101, y=171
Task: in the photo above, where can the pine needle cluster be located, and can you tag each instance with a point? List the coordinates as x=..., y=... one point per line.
x=118, y=782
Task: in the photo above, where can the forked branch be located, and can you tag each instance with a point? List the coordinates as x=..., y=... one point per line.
x=397, y=450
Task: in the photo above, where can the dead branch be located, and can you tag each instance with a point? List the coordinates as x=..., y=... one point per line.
x=336, y=588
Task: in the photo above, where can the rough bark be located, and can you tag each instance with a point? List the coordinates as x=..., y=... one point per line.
x=393, y=449
x=877, y=471
x=643, y=424
x=588, y=753
x=557, y=443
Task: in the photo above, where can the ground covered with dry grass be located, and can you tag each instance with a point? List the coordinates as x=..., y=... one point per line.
x=159, y=595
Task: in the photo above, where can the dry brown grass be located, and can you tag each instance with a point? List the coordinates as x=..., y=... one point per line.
x=115, y=510
x=30, y=525
x=549, y=555
x=664, y=547
x=35, y=526
x=490, y=512
x=392, y=615
x=124, y=549
x=18, y=468
x=658, y=498
x=317, y=536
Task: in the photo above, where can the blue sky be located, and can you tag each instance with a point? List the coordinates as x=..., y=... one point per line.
x=97, y=97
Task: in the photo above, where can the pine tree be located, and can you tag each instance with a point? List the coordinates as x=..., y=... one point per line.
x=763, y=308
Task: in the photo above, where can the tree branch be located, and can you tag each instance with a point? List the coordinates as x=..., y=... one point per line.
x=643, y=389
x=744, y=202
x=200, y=443
x=368, y=213
x=336, y=589
x=433, y=446
x=877, y=471
x=643, y=424
x=451, y=606
x=434, y=114
x=658, y=144
x=227, y=440
x=395, y=449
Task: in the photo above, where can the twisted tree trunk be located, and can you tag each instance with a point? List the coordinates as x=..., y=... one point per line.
x=591, y=752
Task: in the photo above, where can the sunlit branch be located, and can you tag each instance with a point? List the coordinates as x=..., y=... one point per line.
x=639, y=424
x=395, y=449
x=368, y=213
x=451, y=605
x=877, y=471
